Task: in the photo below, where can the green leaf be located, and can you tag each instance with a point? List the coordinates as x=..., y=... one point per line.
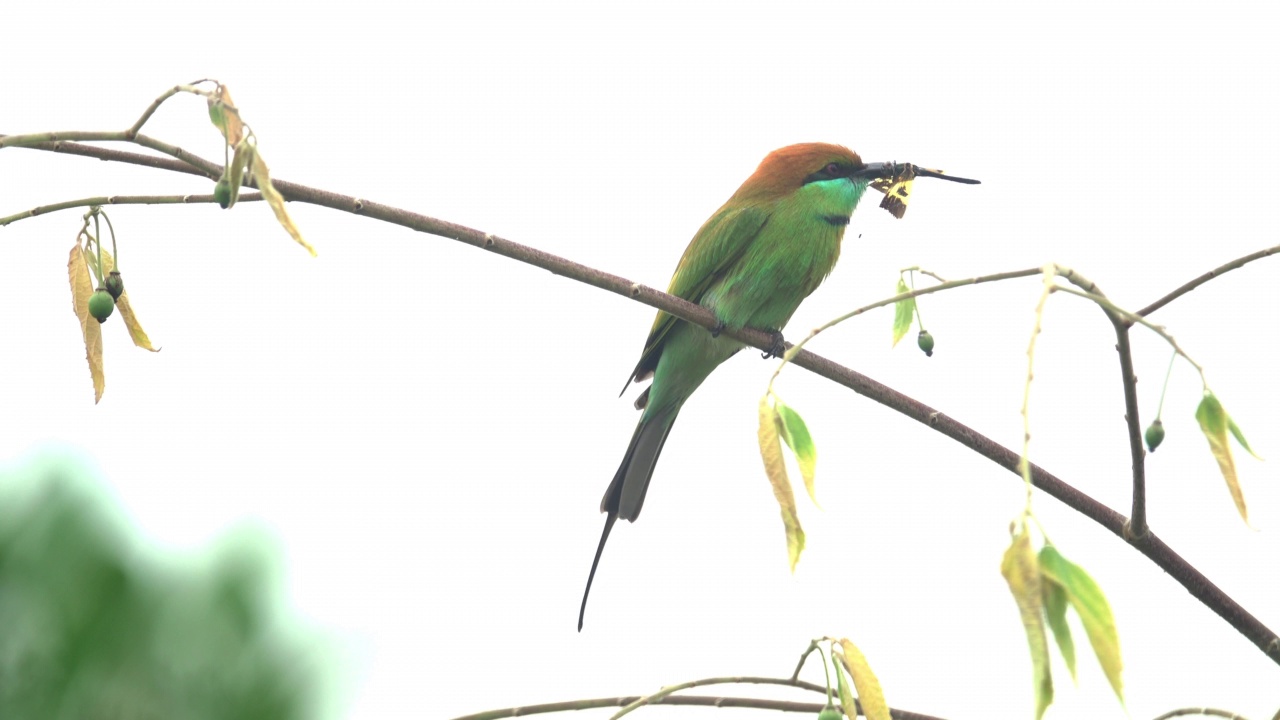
x=776, y=470
x=796, y=434
x=1021, y=571
x=904, y=312
x=1055, y=612
x=1091, y=605
x=1214, y=423
x=847, y=701
x=1239, y=436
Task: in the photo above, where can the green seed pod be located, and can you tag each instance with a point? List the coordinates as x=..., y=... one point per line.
x=925, y=341
x=222, y=193
x=114, y=285
x=830, y=712
x=101, y=304
x=1155, y=435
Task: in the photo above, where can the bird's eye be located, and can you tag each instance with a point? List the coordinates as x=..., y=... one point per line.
x=833, y=169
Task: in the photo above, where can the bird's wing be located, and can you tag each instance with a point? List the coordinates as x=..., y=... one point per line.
x=717, y=246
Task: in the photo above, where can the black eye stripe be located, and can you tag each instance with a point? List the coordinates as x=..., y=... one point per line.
x=830, y=171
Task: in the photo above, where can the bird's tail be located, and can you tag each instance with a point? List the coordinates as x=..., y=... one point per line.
x=625, y=496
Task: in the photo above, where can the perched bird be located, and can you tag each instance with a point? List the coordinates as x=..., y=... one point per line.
x=751, y=263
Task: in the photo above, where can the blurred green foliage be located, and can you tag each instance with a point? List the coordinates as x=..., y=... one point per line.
x=91, y=628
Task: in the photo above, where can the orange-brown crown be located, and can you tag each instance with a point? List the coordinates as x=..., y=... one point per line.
x=785, y=170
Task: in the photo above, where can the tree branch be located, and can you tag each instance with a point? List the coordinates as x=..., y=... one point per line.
x=120, y=200
x=694, y=700
x=1136, y=527
x=1149, y=544
x=1214, y=273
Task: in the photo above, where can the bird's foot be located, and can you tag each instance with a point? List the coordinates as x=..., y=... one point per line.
x=717, y=328
x=779, y=346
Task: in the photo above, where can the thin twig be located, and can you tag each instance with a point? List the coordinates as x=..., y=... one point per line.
x=682, y=700
x=1214, y=273
x=1200, y=711
x=120, y=200
x=813, y=645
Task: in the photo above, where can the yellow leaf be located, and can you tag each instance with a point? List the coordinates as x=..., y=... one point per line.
x=904, y=312
x=225, y=118
x=136, y=333
x=776, y=469
x=1021, y=571
x=263, y=178
x=869, y=692
x=81, y=290
x=1214, y=424
x=234, y=173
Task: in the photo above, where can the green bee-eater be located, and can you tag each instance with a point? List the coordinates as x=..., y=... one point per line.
x=751, y=263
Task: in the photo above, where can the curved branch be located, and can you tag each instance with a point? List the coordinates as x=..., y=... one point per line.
x=694, y=700
x=1216, y=272
x=1207, y=712
x=1149, y=545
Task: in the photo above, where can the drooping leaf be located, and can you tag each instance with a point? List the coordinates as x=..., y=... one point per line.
x=1214, y=423
x=81, y=290
x=776, y=469
x=262, y=176
x=136, y=333
x=1020, y=570
x=904, y=312
x=1239, y=436
x=869, y=692
x=234, y=173
x=847, y=701
x=796, y=434
x=1055, y=612
x=222, y=114
x=1091, y=605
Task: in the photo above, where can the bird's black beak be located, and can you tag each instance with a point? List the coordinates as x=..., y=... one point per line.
x=905, y=171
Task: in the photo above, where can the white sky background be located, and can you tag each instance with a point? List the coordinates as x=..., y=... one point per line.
x=425, y=429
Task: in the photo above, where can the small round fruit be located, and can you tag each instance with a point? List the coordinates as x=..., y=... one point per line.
x=222, y=193
x=830, y=712
x=1155, y=435
x=101, y=304
x=925, y=341
x=114, y=285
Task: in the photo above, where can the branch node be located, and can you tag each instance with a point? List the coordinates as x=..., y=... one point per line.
x=111, y=200
x=634, y=290
x=934, y=417
x=186, y=199
x=1130, y=536
x=358, y=205
x=488, y=240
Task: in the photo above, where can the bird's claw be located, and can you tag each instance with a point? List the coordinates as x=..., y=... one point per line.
x=717, y=329
x=778, y=348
